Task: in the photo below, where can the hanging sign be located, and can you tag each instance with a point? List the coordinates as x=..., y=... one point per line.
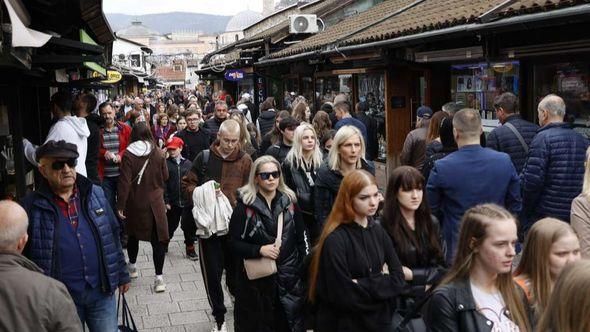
x=113, y=76
x=234, y=75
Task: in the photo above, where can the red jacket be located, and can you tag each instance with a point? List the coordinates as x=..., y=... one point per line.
x=124, y=135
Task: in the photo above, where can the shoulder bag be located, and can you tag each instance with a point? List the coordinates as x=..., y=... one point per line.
x=257, y=268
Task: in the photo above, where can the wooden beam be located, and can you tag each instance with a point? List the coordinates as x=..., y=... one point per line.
x=76, y=45
x=65, y=59
x=365, y=56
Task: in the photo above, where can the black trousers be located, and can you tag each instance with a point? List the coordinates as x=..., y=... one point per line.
x=258, y=308
x=158, y=252
x=215, y=257
x=184, y=216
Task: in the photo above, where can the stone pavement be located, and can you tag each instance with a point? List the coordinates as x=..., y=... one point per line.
x=184, y=305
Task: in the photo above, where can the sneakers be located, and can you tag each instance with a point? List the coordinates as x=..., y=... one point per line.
x=132, y=271
x=191, y=254
x=159, y=286
x=222, y=329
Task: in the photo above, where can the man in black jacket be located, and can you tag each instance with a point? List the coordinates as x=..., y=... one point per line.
x=287, y=127
x=372, y=130
x=212, y=125
x=84, y=108
x=195, y=138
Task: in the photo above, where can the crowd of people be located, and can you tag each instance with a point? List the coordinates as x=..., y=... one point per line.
x=472, y=233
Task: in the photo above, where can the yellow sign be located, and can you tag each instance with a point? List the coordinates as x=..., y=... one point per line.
x=113, y=76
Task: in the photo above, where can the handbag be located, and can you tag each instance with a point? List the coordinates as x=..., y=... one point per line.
x=413, y=321
x=127, y=322
x=257, y=268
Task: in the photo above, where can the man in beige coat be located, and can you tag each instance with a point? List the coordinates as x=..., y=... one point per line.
x=29, y=300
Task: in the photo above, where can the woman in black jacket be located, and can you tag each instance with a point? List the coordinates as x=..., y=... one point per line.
x=478, y=293
x=299, y=170
x=272, y=303
x=355, y=273
x=415, y=234
x=346, y=155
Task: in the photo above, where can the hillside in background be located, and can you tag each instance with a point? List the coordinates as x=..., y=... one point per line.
x=168, y=22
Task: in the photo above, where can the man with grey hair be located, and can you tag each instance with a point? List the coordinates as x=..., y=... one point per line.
x=29, y=300
x=554, y=171
x=515, y=134
x=220, y=114
x=472, y=175
x=450, y=108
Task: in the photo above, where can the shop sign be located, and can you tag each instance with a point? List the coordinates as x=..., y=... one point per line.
x=113, y=76
x=234, y=75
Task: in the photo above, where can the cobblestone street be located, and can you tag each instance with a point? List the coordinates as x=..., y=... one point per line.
x=184, y=305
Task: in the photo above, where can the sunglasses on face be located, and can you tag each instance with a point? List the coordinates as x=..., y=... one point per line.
x=59, y=164
x=267, y=175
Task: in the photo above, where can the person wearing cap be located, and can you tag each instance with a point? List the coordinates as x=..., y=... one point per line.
x=414, y=150
x=74, y=236
x=280, y=150
x=178, y=206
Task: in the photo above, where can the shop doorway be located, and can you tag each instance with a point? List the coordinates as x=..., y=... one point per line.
x=418, y=92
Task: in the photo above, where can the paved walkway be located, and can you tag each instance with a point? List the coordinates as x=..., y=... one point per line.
x=184, y=306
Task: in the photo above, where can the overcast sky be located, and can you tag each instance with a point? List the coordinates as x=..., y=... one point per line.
x=218, y=7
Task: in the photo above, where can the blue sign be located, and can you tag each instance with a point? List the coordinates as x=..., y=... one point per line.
x=234, y=75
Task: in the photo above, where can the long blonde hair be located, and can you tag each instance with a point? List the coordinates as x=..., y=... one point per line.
x=534, y=263
x=249, y=191
x=295, y=156
x=474, y=225
x=568, y=309
x=586, y=184
x=342, y=135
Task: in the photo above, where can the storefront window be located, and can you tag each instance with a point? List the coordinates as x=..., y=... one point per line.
x=371, y=89
x=476, y=85
x=307, y=88
x=246, y=85
x=327, y=88
x=570, y=81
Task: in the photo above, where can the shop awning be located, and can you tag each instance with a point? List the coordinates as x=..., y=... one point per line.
x=85, y=38
x=21, y=35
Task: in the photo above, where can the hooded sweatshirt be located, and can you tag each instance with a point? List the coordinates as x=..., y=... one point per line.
x=72, y=129
x=140, y=148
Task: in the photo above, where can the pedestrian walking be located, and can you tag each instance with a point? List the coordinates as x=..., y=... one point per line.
x=84, y=108
x=346, y=155
x=162, y=129
x=274, y=134
x=515, y=134
x=228, y=166
x=73, y=236
x=287, y=129
x=549, y=246
x=554, y=171
x=472, y=175
x=417, y=241
x=299, y=172
x=220, y=114
x=268, y=112
x=372, y=126
x=266, y=225
x=178, y=205
x=342, y=111
x=448, y=146
x=29, y=300
x=580, y=214
x=140, y=201
x=414, y=150
x=355, y=273
x=478, y=293
x=433, y=141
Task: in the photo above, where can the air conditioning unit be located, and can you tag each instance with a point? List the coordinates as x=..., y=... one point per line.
x=303, y=24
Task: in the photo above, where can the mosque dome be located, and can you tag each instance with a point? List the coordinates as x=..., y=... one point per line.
x=136, y=29
x=243, y=20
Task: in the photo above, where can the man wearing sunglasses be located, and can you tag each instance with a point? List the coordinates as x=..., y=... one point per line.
x=73, y=236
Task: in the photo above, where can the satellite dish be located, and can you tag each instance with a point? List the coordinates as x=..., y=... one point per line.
x=300, y=24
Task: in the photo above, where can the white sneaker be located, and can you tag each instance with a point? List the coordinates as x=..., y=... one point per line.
x=215, y=329
x=132, y=272
x=159, y=286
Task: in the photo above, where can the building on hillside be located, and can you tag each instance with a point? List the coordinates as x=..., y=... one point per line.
x=131, y=60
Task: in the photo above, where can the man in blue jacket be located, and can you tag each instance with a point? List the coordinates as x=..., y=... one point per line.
x=74, y=236
x=515, y=135
x=554, y=171
x=472, y=175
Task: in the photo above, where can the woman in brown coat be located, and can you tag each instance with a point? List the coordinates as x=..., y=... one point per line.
x=141, y=199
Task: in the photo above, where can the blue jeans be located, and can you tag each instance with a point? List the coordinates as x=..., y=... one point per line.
x=109, y=186
x=97, y=310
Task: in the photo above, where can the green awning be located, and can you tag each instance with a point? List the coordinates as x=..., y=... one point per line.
x=85, y=38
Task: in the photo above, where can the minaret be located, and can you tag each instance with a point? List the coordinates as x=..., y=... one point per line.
x=268, y=7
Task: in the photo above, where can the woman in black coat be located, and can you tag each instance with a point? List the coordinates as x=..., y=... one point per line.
x=299, y=170
x=355, y=274
x=416, y=238
x=272, y=303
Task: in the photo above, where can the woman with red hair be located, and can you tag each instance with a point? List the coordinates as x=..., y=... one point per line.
x=355, y=272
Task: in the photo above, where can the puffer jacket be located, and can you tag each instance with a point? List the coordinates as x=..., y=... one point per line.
x=553, y=173
x=452, y=308
x=43, y=231
x=266, y=121
x=173, y=194
x=326, y=188
x=248, y=232
x=278, y=151
x=504, y=140
x=296, y=179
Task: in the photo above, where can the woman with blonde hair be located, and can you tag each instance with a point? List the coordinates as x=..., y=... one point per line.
x=580, y=214
x=549, y=246
x=345, y=156
x=274, y=302
x=478, y=293
x=300, y=169
x=569, y=306
x=355, y=274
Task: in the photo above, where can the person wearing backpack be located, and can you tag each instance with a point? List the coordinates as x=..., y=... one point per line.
x=229, y=166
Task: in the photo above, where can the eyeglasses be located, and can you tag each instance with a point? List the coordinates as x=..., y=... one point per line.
x=267, y=175
x=59, y=164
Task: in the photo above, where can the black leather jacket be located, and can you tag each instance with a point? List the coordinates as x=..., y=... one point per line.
x=296, y=179
x=452, y=308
